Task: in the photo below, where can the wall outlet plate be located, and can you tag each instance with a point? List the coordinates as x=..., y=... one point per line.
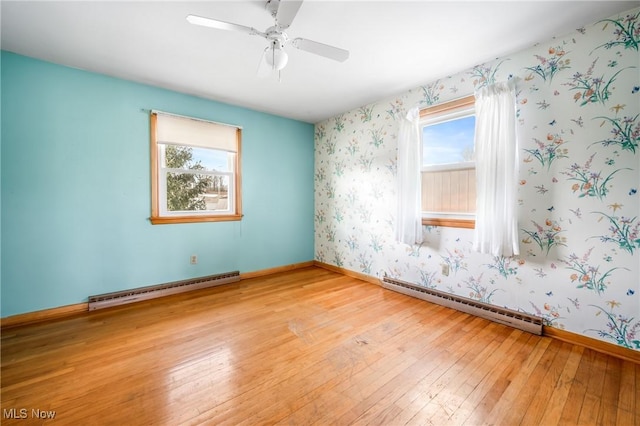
x=193, y=259
x=445, y=269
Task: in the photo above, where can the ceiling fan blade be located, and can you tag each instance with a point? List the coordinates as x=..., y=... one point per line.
x=221, y=25
x=321, y=49
x=287, y=11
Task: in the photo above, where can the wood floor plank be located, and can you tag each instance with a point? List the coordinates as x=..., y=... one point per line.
x=627, y=404
x=575, y=397
x=415, y=338
x=501, y=382
x=356, y=357
x=609, y=401
x=443, y=401
x=542, y=393
x=347, y=354
x=626, y=391
x=590, y=410
x=364, y=386
x=308, y=346
x=483, y=379
x=447, y=366
x=552, y=410
x=384, y=395
x=512, y=398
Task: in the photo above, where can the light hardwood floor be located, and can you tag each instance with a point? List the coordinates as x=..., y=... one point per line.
x=308, y=346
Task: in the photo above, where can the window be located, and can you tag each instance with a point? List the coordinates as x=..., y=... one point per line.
x=195, y=167
x=448, y=164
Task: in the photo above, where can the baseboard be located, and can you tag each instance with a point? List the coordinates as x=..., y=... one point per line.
x=555, y=333
x=594, y=344
x=277, y=269
x=43, y=315
x=347, y=272
x=69, y=310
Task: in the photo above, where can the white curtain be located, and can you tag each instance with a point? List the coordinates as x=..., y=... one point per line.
x=409, y=215
x=496, y=229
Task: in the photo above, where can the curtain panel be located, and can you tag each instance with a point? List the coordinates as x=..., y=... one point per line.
x=409, y=213
x=496, y=146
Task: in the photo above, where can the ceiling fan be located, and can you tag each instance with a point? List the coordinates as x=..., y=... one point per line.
x=275, y=57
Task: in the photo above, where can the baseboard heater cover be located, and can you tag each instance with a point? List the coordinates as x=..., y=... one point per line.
x=151, y=292
x=519, y=320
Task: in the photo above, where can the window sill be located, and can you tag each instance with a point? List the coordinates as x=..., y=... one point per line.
x=451, y=223
x=194, y=219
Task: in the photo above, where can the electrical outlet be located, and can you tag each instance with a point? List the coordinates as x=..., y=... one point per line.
x=194, y=259
x=445, y=269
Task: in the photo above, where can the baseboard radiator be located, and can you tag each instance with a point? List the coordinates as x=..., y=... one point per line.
x=519, y=320
x=151, y=292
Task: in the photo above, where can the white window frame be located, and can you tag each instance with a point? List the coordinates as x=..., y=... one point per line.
x=441, y=113
x=162, y=182
x=159, y=212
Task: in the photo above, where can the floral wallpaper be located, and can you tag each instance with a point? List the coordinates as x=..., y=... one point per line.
x=579, y=207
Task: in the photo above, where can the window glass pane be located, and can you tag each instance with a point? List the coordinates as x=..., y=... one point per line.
x=213, y=160
x=197, y=192
x=448, y=142
x=192, y=158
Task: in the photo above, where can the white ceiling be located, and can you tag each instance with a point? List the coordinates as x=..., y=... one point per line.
x=395, y=45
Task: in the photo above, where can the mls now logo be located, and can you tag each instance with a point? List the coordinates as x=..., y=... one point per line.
x=23, y=413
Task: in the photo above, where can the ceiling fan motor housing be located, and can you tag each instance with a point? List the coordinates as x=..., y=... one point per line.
x=276, y=35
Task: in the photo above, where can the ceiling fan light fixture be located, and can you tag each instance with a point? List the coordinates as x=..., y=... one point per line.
x=276, y=57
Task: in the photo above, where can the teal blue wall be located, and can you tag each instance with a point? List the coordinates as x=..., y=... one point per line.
x=76, y=189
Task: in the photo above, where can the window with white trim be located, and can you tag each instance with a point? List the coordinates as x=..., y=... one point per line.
x=195, y=166
x=448, y=164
